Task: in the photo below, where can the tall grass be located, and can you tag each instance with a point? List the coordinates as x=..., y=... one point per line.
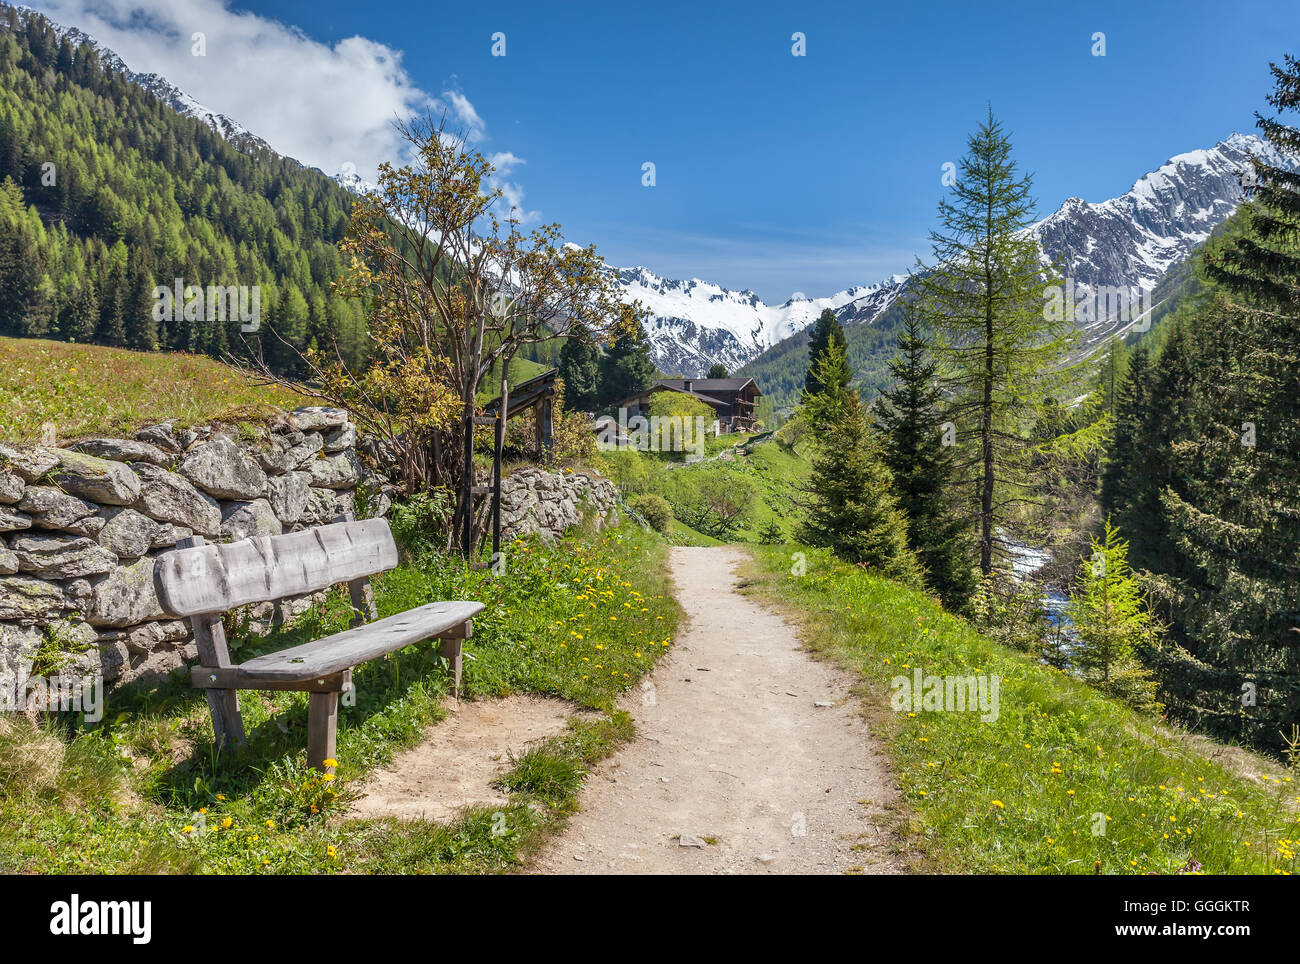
x=93, y=390
x=1065, y=780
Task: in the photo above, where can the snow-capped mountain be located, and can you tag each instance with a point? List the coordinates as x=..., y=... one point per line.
x=1132, y=241
x=694, y=323
x=1127, y=243
x=1135, y=238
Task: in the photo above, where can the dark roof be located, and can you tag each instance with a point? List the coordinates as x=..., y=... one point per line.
x=708, y=384
x=662, y=386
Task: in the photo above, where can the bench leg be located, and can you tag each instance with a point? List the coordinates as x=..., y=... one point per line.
x=227, y=724
x=451, y=651
x=322, y=727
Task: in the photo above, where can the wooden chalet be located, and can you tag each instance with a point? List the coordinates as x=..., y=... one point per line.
x=733, y=399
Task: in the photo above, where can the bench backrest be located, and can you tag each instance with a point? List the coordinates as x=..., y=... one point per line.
x=213, y=578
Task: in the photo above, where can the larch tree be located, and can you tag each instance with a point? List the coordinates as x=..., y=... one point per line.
x=1112, y=624
x=1001, y=350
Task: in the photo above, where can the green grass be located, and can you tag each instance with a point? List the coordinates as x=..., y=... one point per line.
x=1024, y=793
x=91, y=390
x=683, y=535
x=773, y=469
x=144, y=791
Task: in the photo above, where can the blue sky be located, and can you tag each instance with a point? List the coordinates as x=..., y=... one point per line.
x=773, y=172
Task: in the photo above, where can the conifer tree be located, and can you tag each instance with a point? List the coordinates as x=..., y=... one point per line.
x=909, y=417
x=141, y=329
x=579, y=366
x=850, y=504
x=718, y=370
x=1113, y=625
x=1232, y=583
x=83, y=312
x=1134, y=473
x=626, y=368
x=826, y=331
x=1001, y=349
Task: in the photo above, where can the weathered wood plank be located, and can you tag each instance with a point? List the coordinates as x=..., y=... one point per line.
x=324, y=657
x=228, y=677
x=210, y=642
x=215, y=578
x=322, y=728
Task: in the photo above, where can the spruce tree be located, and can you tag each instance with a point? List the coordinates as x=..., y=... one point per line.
x=579, y=366
x=850, y=503
x=909, y=417
x=826, y=331
x=718, y=370
x=627, y=367
x=1136, y=471
x=83, y=312
x=1000, y=348
x=111, y=329
x=141, y=329
x=1233, y=585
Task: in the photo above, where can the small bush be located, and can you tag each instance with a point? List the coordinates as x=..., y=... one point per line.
x=421, y=521
x=656, y=510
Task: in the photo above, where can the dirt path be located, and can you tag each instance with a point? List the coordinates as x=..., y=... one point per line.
x=734, y=752
x=458, y=765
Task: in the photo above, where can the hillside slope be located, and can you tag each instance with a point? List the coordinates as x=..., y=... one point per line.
x=93, y=390
x=107, y=191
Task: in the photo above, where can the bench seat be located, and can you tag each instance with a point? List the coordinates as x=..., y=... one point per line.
x=333, y=654
x=203, y=581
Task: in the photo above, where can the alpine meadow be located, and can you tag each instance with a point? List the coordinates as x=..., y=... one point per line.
x=693, y=440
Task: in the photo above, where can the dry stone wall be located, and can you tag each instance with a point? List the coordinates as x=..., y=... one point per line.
x=81, y=525
x=534, y=501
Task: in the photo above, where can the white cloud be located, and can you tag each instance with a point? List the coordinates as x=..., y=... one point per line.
x=324, y=105
x=512, y=195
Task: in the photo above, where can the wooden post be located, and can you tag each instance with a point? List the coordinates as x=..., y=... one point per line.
x=322, y=728
x=503, y=411
x=545, y=428
x=210, y=641
x=363, y=597
x=451, y=647
x=467, y=483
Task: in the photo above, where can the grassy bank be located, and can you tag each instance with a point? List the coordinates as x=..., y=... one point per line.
x=1064, y=780
x=766, y=476
x=144, y=791
x=92, y=390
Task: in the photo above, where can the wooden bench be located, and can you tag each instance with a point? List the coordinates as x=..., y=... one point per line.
x=202, y=581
